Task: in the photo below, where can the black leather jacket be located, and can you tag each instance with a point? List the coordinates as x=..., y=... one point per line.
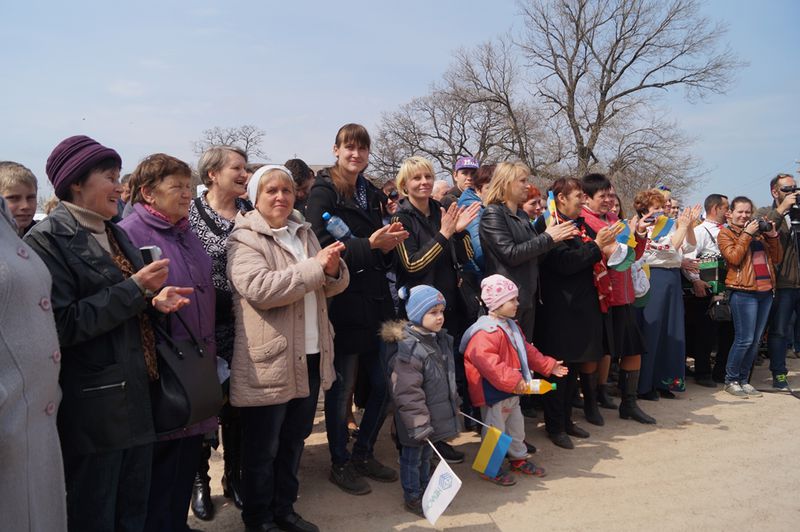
x=511, y=247
x=106, y=402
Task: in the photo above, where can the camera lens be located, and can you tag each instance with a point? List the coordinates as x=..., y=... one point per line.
x=764, y=226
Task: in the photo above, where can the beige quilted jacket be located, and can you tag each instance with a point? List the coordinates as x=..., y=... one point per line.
x=269, y=360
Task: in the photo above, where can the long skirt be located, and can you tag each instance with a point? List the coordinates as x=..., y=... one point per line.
x=664, y=362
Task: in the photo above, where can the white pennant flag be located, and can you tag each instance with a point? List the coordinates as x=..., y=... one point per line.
x=441, y=491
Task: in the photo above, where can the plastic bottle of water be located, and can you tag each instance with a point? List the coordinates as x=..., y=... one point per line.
x=336, y=227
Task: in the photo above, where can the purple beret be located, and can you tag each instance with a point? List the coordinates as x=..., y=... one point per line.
x=73, y=158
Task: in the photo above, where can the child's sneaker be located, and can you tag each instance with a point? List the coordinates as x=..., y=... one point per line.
x=415, y=507
x=526, y=467
x=779, y=382
x=750, y=390
x=502, y=479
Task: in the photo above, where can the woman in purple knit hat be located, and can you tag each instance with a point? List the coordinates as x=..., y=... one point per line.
x=103, y=299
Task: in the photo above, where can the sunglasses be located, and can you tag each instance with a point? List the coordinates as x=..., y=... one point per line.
x=393, y=195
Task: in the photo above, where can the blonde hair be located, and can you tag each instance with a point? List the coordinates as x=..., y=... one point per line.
x=504, y=175
x=13, y=174
x=409, y=169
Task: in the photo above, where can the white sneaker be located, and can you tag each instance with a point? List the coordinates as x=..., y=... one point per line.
x=749, y=390
x=734, y=388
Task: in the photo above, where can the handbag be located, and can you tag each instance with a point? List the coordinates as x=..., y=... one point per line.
x=720, y=308
x=187, y=390
x=468, y=285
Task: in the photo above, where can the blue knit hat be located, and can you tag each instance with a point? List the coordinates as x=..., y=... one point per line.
x=421, y=299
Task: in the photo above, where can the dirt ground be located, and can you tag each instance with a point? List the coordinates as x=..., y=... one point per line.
x=713, y=462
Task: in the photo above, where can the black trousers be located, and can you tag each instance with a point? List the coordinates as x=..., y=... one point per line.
x=558, y=403
x=701, y=333
x=108, y=491
x=724, y=337
x=273, y=441
x=174, y=465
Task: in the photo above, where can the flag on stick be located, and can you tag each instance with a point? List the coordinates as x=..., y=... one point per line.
x=492, y=452
x=442, y=489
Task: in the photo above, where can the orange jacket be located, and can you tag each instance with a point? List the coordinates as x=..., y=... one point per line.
x=734, y=244
x=490, y=356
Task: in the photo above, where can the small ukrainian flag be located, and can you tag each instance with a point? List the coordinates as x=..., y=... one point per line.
x=550, y=213
x=662, y=227
x=492, y=452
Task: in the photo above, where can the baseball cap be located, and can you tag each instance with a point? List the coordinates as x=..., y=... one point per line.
x=467, y=162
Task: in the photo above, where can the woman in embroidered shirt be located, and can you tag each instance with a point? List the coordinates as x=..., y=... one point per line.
x=211, y=216
x=663, y=364
x=751, y=256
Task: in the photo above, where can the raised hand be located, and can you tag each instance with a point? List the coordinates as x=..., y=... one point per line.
x=607, y=235
x=172, y=299
x=564, y=231
x=152, y=276
x=328, y=257
x=466, y=215
x=388, y=237
x=559, y=370
x=449, y=220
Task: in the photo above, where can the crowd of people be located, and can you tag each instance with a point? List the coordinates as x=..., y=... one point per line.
x=408, y=295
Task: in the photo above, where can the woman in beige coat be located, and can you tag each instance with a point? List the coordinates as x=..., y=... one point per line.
x=283, y=348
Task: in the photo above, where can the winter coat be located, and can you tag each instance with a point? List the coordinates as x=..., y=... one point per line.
x=358, y=312
x=570, y=323
x=512, y=248
x=422, y=383
x=106, y=391
x=269, y=358
x=32, y=479
x=426, y=256
x=189, y=266
x=789, y=267
x=468, y=198
x=734, y=244
x=622, y=292
x=492, y=364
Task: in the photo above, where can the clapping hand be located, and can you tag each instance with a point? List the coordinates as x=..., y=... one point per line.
x=329, y=256
x=388, y=237
x=563, y=231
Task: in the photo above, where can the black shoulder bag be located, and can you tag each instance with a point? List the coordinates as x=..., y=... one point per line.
x=188, y=389
x=468, y=287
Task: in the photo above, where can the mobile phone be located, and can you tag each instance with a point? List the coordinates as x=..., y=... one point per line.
x=150, y=253
x=653, y=217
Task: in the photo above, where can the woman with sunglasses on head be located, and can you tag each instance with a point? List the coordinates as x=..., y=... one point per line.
x=357, y=313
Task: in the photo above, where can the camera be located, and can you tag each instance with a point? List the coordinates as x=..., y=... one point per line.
x=764, y=226
x=791, y=189
x=150, y=253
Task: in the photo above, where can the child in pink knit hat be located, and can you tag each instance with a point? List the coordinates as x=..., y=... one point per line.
x=499, y=363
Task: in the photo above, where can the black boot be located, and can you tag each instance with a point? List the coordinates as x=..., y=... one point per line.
x=232, y=454
x=628, y=409
x=589, y=390
x=604, y=399
x=202, y=507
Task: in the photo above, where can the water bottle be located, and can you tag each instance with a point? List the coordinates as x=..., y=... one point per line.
x=336, y=227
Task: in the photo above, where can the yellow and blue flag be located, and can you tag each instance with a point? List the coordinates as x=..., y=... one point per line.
x=492, y=452
x=662, y=227
x=550, y=213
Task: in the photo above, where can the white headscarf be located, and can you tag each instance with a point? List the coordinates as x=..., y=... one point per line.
x=252, y=186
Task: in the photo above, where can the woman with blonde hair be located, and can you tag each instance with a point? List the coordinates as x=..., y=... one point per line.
x=511, y=246
x=437, y=242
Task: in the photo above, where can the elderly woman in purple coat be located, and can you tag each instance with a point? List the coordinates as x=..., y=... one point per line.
x=160, y=194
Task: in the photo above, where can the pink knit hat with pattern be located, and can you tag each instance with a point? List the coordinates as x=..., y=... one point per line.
x=496, y=290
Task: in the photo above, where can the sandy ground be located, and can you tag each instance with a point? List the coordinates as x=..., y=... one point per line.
x=713, y=462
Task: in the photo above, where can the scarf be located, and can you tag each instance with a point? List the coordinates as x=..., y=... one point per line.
x=145, y=327
x=602, y=282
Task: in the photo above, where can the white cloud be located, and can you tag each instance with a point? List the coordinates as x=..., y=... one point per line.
x=127, y=88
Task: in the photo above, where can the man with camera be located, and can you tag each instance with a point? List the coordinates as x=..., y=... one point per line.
x=701, y=332
x=786, y=216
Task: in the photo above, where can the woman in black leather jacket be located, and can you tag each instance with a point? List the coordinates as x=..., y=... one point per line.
x=511, y=246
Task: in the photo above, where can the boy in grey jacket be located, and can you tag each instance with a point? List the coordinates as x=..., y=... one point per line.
x=423, y=386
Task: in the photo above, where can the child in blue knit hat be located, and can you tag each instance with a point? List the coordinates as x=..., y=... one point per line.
x=423, y=386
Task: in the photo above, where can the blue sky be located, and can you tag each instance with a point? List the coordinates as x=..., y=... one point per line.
x=150, y=76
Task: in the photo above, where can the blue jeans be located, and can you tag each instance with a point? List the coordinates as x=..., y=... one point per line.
x=415, y=470
x=787, y=302
x=750, y=311
x=336, y=405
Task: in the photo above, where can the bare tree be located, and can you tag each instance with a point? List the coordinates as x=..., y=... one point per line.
x=247, y=137
x=595, y=60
